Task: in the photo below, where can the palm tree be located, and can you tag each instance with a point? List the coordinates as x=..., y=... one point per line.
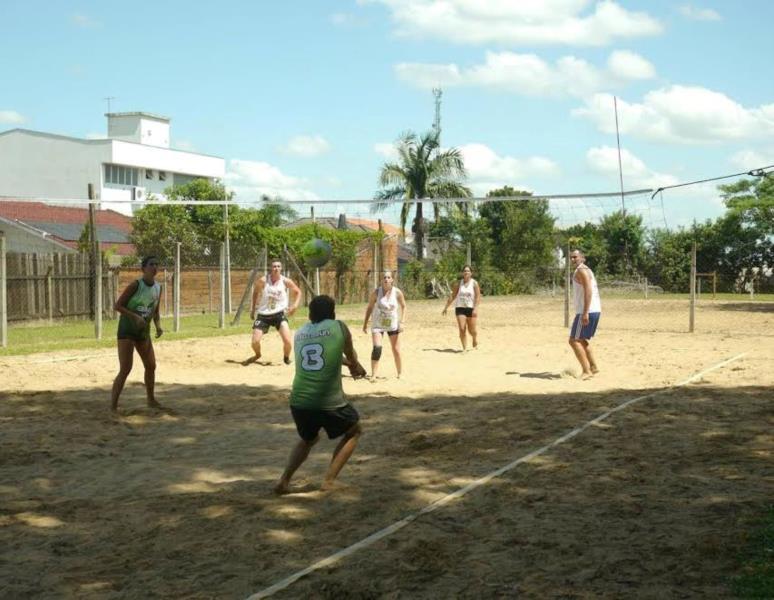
x=421, y=171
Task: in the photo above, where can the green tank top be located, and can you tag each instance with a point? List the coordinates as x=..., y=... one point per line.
x=318, y=353
x=143, y=302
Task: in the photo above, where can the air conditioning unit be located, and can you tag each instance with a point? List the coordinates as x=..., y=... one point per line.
x=139, y=193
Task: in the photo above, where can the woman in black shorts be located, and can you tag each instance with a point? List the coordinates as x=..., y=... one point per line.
x=138, y=305
x=466, y=296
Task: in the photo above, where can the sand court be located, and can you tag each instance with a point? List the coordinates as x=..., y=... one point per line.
x=651, y=501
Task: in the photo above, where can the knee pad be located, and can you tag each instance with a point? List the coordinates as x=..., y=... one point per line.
x=376, y=353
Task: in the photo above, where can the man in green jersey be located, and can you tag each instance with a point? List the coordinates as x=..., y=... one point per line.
x=317, y=401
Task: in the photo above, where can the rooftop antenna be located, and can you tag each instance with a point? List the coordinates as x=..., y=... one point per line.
x=437, y=92
x=108, y=99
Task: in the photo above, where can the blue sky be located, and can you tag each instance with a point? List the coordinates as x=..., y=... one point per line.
x=303, y=99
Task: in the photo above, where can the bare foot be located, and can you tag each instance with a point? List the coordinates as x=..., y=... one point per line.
x=286, y=360
x=594, y=369
x=585, y=376
x=155, y=405
x=282, y=488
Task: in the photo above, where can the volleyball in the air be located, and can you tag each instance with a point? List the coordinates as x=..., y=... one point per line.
x=316, y=252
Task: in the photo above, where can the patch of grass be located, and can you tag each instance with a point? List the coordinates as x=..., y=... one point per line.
x=79, y=335
x=756, y=579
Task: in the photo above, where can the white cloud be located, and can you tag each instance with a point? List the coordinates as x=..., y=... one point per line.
x=681, y=114
x=386, y=150
x=11, y=117
x=604, y=161
x=343, y=19
x=306, y=146
x=699, y=14
x=487, y=170
x=752, y=159
x=519, y=22
x=184, y=145
x=84, y=21
x=530, y=75
x=629, y=65
x=252, y=179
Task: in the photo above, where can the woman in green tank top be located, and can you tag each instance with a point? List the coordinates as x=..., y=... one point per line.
x=137, y=306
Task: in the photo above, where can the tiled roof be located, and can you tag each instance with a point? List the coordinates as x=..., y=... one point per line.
x=65, y=223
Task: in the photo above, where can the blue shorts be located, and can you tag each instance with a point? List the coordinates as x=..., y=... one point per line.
x=580, y=332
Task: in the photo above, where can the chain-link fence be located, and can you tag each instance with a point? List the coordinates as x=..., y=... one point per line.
x=52, y=296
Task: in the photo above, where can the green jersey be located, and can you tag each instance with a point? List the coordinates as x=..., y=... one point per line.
x=318, y=352
x=143, y=302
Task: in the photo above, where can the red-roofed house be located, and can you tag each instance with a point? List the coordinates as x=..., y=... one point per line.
x=46, y=228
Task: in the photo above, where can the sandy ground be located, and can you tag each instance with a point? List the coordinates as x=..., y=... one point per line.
x=654, y=502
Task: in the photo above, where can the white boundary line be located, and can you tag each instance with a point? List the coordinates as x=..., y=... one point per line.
x=64, y=358
x=432, y=507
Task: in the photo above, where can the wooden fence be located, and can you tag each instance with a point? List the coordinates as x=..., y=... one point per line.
x=55, y=286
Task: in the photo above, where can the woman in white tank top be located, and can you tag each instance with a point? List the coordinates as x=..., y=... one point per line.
x=466, y=296
x=387, y=310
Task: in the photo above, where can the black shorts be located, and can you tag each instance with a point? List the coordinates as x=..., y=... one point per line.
x=462, y=310
x=265, y=322
x=336, y=422
x=390, y=333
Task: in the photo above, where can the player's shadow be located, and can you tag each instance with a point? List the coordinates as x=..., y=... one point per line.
x=543, y=375
x=444, y=350
x=244, y=363
x=747, y=306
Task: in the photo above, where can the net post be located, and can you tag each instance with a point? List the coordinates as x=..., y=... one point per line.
x=98, y=296
x=567, y=287
x=376, y=265
x=3, y=293
x=176, y=290
x=714, y=283
x=468, y=254
x=223, y=284
x=692, y=310
x=646, y=288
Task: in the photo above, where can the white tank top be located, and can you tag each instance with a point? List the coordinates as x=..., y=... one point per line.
x=466, y=294
x=577, y=290
x=385, y=316
x=274, y=298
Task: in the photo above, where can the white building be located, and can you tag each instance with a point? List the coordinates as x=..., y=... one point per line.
x=134, y=160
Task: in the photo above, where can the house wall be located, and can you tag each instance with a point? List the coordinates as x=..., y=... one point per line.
x=43, y=166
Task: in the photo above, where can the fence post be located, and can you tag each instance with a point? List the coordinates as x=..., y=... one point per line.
x=567, y=287
x=646, y=288
x=50, y=294
x=176, y=291
x=209, y=289
x=3, y=294
x=692, y=311
x=223, y=291
x=98, y=297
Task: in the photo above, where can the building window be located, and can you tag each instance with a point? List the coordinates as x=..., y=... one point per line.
x=116, y=174
x=162, y=175
x=149, y=173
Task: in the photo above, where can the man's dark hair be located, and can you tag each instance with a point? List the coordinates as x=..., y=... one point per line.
x=321, y=308
x=147, y=259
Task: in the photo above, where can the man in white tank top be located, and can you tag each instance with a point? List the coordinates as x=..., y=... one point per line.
x=271, y=300
x=588, y=308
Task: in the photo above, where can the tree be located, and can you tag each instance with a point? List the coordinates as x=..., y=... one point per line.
x=421, y=171
x=624, y=237
x=494, y=213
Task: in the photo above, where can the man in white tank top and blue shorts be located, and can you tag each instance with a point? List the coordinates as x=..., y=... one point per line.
x=383, y=307
x=588, y=308
x=271, y=307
